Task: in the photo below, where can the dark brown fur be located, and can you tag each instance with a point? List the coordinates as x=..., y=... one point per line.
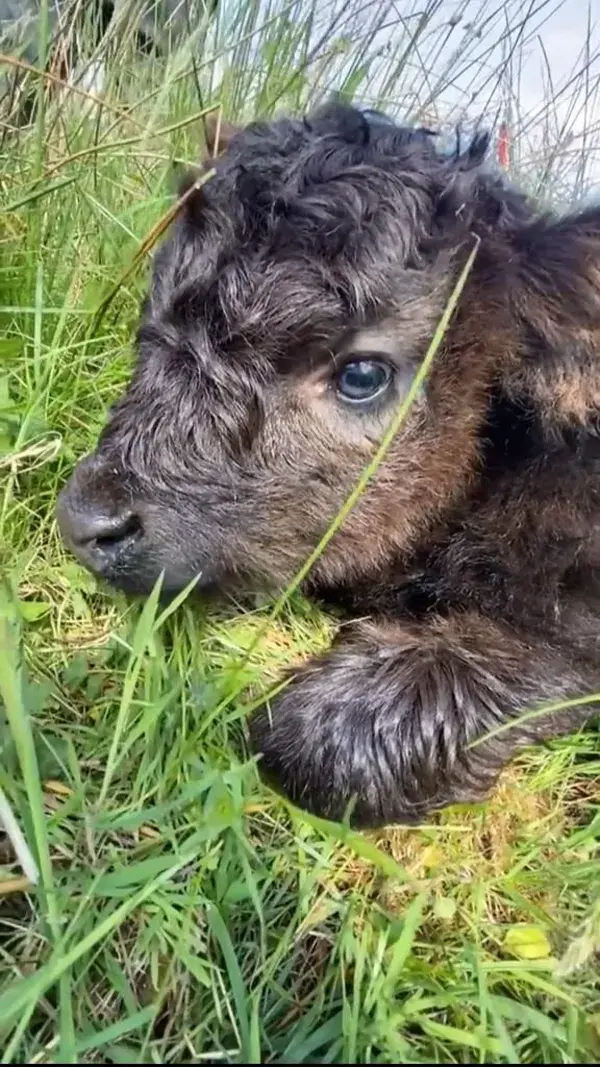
x=474, y=550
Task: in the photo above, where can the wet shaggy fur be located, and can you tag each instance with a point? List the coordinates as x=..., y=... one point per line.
x=472, y=562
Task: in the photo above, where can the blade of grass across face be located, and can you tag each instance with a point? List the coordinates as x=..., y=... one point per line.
x=396, y=424
x=369, y=471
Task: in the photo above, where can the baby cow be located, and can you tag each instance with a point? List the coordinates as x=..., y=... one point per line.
x=288, y=311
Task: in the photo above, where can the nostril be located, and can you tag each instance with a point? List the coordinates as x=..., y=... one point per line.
x=91, y=533
x=125, y=529
x=100, y=530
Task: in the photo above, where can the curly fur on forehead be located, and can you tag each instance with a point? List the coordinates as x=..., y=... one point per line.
x=319, y=217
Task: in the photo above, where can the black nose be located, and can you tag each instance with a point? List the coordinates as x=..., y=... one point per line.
x=99, y=539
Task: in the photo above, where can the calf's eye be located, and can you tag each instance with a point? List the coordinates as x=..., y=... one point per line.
x=362, y=380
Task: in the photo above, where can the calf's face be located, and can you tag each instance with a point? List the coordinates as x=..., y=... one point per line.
x=287, y=314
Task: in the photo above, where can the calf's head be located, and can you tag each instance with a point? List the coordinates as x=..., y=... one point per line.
x=288, y=311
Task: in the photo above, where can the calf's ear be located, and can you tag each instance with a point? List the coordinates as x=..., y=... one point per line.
x=218, y=134
x=560, y=270
x=556, y=303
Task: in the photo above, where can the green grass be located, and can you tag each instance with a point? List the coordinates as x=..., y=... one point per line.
x=183, y=913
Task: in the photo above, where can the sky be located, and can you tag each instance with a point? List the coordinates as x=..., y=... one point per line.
x=473, y=62
x=543, y=47
x=442, y=62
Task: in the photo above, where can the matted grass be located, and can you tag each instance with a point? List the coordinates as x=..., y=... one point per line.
x=183, y=913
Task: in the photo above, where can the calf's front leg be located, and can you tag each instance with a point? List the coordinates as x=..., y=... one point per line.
x=391, y=724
